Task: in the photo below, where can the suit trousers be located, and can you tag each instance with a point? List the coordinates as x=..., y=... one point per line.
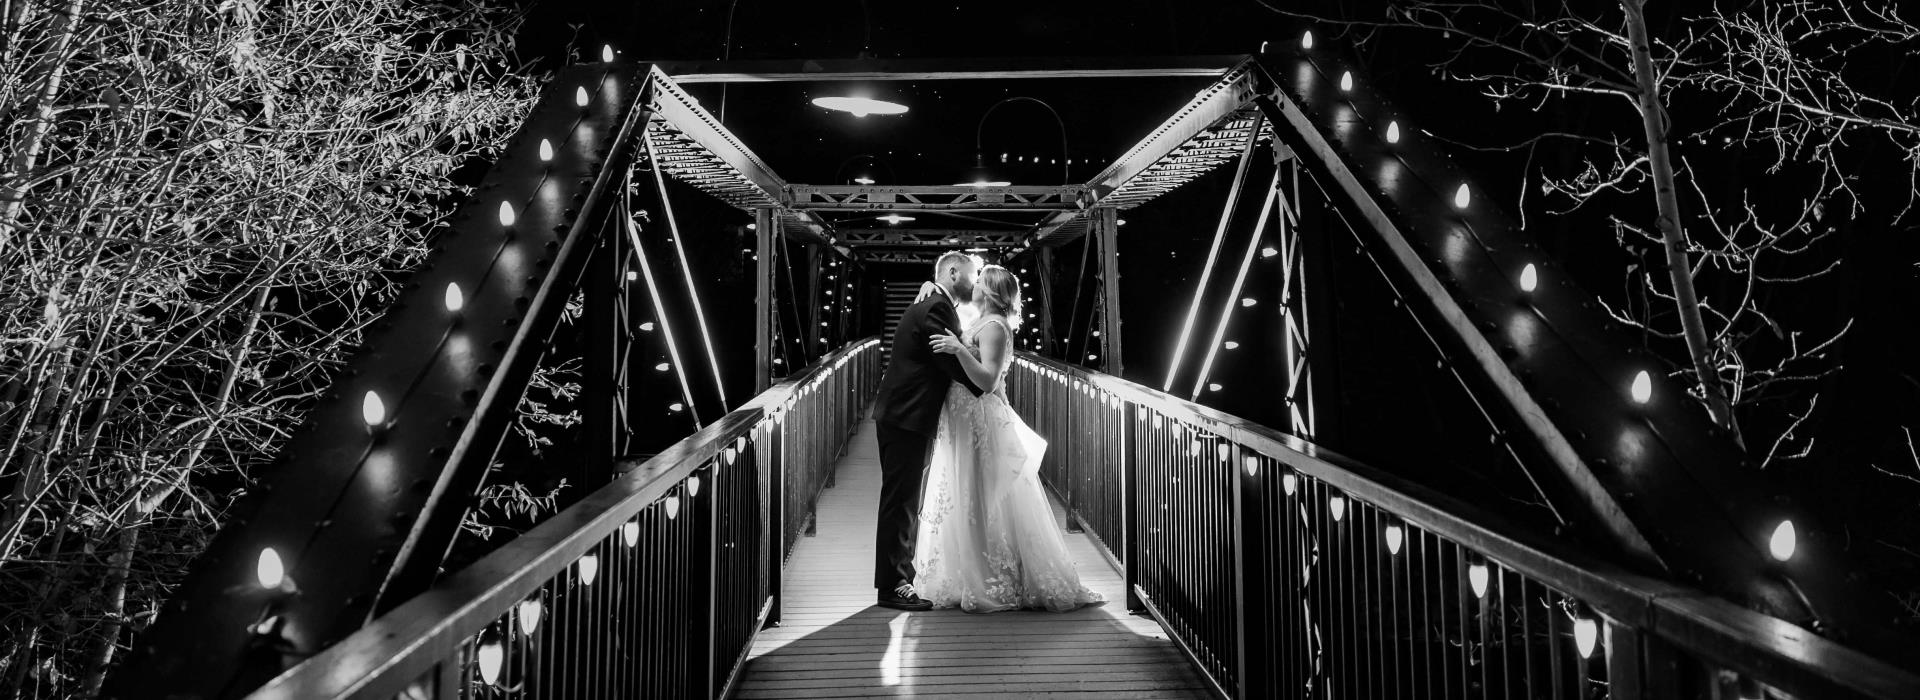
x=904, y=455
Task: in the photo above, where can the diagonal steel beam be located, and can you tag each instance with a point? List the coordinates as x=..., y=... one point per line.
x=1203, y=134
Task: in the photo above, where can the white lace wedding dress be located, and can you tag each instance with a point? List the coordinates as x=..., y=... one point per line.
x=988, y=540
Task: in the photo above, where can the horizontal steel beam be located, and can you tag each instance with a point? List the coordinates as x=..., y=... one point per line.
x=939, y=197
x=929, y=237
x=690, y=72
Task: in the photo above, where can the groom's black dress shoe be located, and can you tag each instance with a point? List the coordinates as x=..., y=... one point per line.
x=903, y=598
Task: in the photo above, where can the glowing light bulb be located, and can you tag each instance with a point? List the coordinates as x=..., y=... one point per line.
x=1289, y=483
x=1393, y=132
x=506, y=214
x=1529, y=278
x=373, y=410
x=606, y=53
x=693, y=483
x=546, y=150
x=1252, y=464
x=1395, y=535
x=630, y=532
x=676, y=407
x=1462, y=197
x=1268, y=252
x=662, y=367
x=1585, y=633
x=1338, y=506
x=1642, y=387
x=490, y=656
x=528, y=611
x=631, y=276
x=1783, y=541
x=1231, y=344
x=269, y=569
x=1477, y=577
x=672, y=504
x=1213, y=387
x=648, y=326
x=1247, y=301
x=1306, y=39
x=580, y=96
x=455, y=300
x=1221, y=450
x=1346, y=81
x=589, y=568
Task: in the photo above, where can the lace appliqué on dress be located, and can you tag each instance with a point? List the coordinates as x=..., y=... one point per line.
x=988, y=540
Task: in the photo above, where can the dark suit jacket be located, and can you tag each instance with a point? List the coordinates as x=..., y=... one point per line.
x=915, y=385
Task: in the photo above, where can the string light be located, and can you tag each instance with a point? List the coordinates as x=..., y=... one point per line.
x=662, y=367
x=269, y=570
x=455, y=300
x=490, y=656
x=1585, y=633
x=528, y=611
x=1642, y=387
x=373, y=410
x=1783, y=542
x=1338, y=506
x=693, y=483
x=1529, y=278
x=1395, y=534
x=546, y=150
x=672, y=504
x=648, y=326
x=1462, y=197
x=506, y=214
x=1213, y=387
x=1477, y=577
x=1252, y=464
x=1393, y=132
x=1289, y=483
x=1346, y=81
x=1247, y=301
x=606, y=53
x=676, y=407
x=1306, y=39
x=630, y=532
x=1268, y=252
x=1231, y=344
x=580, y=96
x=589, y=568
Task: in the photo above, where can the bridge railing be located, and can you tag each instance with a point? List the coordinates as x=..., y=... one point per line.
x=1283, y=570
x=653, y=586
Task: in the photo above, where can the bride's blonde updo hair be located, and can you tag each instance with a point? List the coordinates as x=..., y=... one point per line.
x=999, y=293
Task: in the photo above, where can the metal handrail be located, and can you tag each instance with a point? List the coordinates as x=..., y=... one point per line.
x=1087, y=415
x=431, y=646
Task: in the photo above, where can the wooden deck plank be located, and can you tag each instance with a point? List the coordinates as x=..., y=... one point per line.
x=833, y=641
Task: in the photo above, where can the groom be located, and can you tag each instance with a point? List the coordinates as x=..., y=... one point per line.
x=906, y=414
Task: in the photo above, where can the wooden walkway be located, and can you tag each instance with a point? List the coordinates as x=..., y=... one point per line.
x=835, y=643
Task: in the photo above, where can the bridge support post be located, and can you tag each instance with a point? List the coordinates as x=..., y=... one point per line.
x=763, y=307
x=1106, y=228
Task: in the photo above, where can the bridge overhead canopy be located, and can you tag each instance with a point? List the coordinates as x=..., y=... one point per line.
x=1199, y=136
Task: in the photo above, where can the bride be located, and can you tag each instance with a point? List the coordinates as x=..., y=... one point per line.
x=987, y=540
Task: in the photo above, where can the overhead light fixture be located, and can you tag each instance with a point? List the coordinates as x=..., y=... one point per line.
x=859, y=106
x=864, y=180
x=894, y=218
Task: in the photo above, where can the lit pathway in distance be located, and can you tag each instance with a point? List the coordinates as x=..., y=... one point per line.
x=835, y=643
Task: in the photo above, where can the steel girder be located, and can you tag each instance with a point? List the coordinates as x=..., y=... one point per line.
x=816, y=70
x=1206, y=133
x=692, y=147
x=937, y=197
x=930, y=237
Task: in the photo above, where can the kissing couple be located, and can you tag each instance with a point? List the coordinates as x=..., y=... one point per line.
x=959, y=469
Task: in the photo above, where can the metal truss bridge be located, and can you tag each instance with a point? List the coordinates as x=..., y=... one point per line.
x=1245, y=559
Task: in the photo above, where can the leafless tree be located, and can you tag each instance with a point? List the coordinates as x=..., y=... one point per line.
x=201, y=207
